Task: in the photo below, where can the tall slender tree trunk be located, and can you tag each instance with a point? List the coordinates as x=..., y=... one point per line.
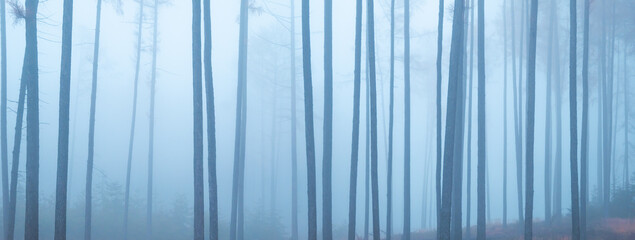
x=607, y=114
x=133, y=122
x=548, y=128
x=531, y=101
x=453, y=108
x=517, y=131
x=352, y=197
x=153, y=80
x=308, y=119
x=327, y=218
x=211, y=123
x=91, y=130
x=480, y=233
x=3, y=119
x=62, y=139
x=573, y=109
x=197, y=102
x=406, y=168
x=626, y=123
x=390, y=123
x=584, y=188
x=373, y=118
x=367, y=155
x=505, y=116
x=439, y=112
x=15, y=163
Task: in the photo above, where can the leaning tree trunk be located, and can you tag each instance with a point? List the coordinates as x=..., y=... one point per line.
x=91, y=130
x=132, y=123
x=480, y=230
x=153, y=80
x=531, y=102
x=197, y=102
x=390, y=123
x=406, y=168
x=352, y=197
x=453, y=97
x=62, y=139
x=308, y=119
x=573, y=110
x=327, y=228
x=15, y=163
x=211, y=123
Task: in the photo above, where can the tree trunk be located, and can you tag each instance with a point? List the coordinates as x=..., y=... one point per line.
x=64, y=106
x=308, y=119
x=390, y=123
x=197, y=94
x=91, y=129
x=557, y=180
x=406, y=185
x=373, y=118
x=531, y=101
x=584, y=188
x=133, y=122
x=294, y=153
x=211, y=123
x=151, y=125
x=15, y=163
x=573, y=109
x=469, y=128
x=481, y=122
x=352, y=197
x=367, y=155
x=454, y=96
x=327, y=218
x=439, y=112
x=626, y=126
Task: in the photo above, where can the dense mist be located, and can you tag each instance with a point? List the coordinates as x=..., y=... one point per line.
x=306, y=119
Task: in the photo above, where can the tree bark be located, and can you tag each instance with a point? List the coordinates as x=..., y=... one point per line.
x=480, y=233
x=327, y=228
x=64, y=109
x=406, y=223
x=584, y=188
x=573, y=110
x=373, y=118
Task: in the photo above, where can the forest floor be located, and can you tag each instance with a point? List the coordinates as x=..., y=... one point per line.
x=607, y=229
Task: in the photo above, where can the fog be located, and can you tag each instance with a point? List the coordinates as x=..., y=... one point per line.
x=268, y=143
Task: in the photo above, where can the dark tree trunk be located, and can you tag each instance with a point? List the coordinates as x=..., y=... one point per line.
x=573, y=110
x=439, y=112
x=211, y=123
x=470, y=78
x=327, y=228
x=352, y=203
x=308, y=118
x=133, y=122
x=373, y=118
x=557, y=180
x=390, y=123
x=584, y=155
x=153, y=80
x=453, y=108
x=294, y=151
x=626, y=130
x=64, y=106
x=15, y=163
x=531, y=101
x=406, y=176
x=480, y=233
x=197, y=121
x=91, y=129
